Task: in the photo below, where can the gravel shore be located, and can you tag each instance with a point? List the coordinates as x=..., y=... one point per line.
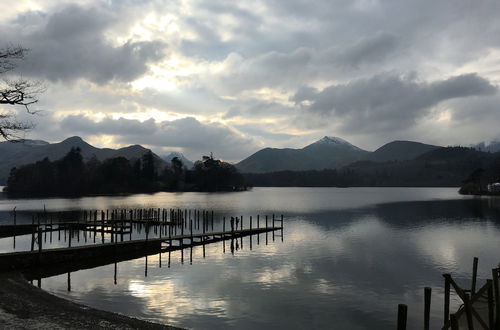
x=24, y=306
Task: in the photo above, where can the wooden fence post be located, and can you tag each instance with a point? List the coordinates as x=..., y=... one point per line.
x=402, y=315
x=427, y=307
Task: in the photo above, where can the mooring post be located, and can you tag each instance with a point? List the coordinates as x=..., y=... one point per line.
x=468, y=311
x=241, y=222
x=446, y=298
x=474, y=276
x=454, y=322
x=250, y=224
x=427, y=307
x=258, y=221
x=491, y=315
x=212, y=220
x=266, y=222
x=494, y=274
x=402, y=315
x=223, y=224
x=39, y=241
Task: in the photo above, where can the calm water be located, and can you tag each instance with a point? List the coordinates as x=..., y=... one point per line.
x=347, y=258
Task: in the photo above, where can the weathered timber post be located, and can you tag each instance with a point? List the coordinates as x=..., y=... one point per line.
x=250, y=223
x=223, y=224
x=491, y=315
x=212, y=220
x=258, y=221
x=446, y=298
x=402, y=315
x=266, y=222
x=468, y=311
x=494, y=274
x=454, y=322
x=474, y=276
x=427, y=307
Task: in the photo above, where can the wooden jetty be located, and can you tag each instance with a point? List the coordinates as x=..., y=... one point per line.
x=159, y=231
x=480, y=309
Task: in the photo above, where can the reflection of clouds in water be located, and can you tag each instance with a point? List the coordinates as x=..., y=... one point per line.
x=454, y=247
x=180, y=300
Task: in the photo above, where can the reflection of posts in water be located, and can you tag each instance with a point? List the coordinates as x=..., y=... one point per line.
x=203, y=251
x=191, y=255
x=159, y=259
x=266, y=238
x=168, y=264
x=241, y=240
x=232, y=246
x=182, y=255
x=115, y=273
x=223, y=246
x=282, y=232
x=146, y=267
x=258, y=238
x=69, y=281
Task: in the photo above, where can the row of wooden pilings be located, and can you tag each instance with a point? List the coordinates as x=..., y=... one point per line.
x=468, y=296
x=119, y=222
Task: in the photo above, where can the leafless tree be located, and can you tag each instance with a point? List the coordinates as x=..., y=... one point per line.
x=17, y=92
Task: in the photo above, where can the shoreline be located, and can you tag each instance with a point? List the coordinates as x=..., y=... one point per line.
x=24, y=306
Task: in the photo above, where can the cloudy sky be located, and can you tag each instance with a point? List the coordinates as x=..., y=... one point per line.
x=232, y=77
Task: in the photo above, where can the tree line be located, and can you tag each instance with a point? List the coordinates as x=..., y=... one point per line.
x=73, y=176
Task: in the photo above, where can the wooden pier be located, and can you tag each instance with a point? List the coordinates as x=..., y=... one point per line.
x=107, y=237
x=480, y=308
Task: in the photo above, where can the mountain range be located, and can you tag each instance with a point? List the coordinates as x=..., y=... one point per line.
x=326, y=153
x=14, y=154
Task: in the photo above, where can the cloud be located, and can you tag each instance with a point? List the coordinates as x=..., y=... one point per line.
x=71, y=43
x=388, y=101
x=193, y=137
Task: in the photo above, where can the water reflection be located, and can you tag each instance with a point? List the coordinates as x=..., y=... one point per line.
x=338, y=267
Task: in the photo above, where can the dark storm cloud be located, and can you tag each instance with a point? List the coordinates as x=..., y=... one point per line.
x=387, y=100
x=70, y=44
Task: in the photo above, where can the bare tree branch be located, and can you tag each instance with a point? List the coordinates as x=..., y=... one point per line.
x=18, y=92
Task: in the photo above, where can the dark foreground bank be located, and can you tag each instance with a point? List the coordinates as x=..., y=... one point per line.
x=24, y=306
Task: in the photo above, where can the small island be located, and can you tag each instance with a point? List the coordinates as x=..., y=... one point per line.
x=73, y=176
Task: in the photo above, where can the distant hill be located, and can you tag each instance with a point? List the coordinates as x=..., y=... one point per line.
x=168, y=158
x=440, y=167
x=14, y=154
x=400, y=150
x=329, y=152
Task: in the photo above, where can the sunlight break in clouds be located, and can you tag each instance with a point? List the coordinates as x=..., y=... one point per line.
x=247, y=69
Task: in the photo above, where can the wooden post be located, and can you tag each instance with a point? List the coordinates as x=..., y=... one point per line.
x=250, y=223
x=474, y=276
x=454, y=322
x=427, y=307
x=223, y=224
x=402, y=315
x=212, y=220
x=494, y=274
x=491, y=315
x=258, y=221
x=468, y=312
x=446, y=298
x=39, y=241
x=266, y=222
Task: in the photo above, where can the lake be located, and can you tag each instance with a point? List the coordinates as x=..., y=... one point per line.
x=348, y=257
